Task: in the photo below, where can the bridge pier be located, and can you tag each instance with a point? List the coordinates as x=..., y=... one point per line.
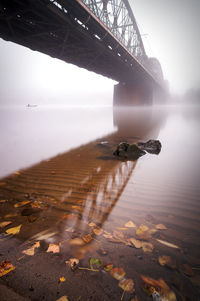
x=132, y=94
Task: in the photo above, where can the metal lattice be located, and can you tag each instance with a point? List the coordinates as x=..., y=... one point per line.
x=117, y=16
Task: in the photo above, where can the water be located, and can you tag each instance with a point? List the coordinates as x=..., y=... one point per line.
x=60, y=161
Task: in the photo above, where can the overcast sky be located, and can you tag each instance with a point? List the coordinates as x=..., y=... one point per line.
x=173, y=37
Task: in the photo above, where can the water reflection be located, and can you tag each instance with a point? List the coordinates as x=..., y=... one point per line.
x=83, y=185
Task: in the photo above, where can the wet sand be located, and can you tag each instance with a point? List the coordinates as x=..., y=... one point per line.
x=81, y=201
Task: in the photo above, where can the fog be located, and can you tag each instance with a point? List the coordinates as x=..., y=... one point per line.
x=173, y=37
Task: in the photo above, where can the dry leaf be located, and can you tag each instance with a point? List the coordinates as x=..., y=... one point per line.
x=97, y=231
x=130, y=224
x=14, y=230
x=63, y=298
x=53, y=248
x=76, y=242
x=159, y=284
x=161, y=227
x=31, y=251
x=92, y=224
x=10, y=215
x=62, y=279
x=108, y=267
x=3, y=201
x=72, y=263
x=168, y=244
x=136, y=243
x=127, y=285
x=147, y=247
x=167, y=260
x=21, y=204
x=87, y=238
x=152, y=231
x=107, y=234
x=6, y=267
x=118, y=273
x=142, y=232
x=17, y=173
x=4, y=224
x=31, y=219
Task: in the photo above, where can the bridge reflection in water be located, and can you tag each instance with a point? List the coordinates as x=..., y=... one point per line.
x=71, y=190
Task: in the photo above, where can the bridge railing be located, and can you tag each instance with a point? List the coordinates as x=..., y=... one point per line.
x=118, y=19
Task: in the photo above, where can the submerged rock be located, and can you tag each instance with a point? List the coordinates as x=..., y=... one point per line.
x=151, y=146
x=126, y=150
x=136, y=150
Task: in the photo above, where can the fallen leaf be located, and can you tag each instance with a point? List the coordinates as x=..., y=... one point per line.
x=70, y=229
x=76, y=242
x=127, y=285
x=122, y=229
x=17, y=173
x=14, y=230
x=136, y=243
x=147, y=247
x=92, y=224
x=63, y=298
x=62, y=279
x=159, y=284
x=21, y=204
x=142, y=232
x=161, y=227
x=31, y=219
x=187, y=270
x=118, y=273
x=152, y=231
x=6, y=267
x=96, y=262
x=168, y=244
x=118, y=235
x=108, y=267
x=87, y=238
x=167, y=260
x=97, y=231
x=53, y=248
x=72, y=263
x=4, y=224
x=31, y=251
x=130, y=224
x=10, y=215
x=3, y=201
x=107, y=235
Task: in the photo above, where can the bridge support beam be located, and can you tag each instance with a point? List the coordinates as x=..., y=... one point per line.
x=132, y=94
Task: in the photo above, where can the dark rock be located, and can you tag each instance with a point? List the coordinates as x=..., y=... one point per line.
x=129, y=151
x=151, y=146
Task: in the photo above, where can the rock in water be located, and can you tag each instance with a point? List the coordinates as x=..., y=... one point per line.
x=151, y=146
x=128, y=151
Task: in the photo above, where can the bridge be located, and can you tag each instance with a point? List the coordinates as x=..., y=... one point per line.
x=99, y=35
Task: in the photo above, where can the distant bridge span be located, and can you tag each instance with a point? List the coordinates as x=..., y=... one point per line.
x=99, y=35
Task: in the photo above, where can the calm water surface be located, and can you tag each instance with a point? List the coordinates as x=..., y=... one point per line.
x=80, y=197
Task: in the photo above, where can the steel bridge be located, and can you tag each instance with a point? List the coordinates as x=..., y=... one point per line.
x=99, y=35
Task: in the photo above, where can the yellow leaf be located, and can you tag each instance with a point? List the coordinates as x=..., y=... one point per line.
x=147, y=246
x=20, y=204
x=161, y=227
x=14, y=230
x=108, y=267
x=63, y=298
x=136, y=243
x=130, y=224
x=62, y=279
x=168, y=244
x=53, y=248
x=118, y=273
x=142, y=232
x=127, y=285
x=4, y=224
x=92, y=224
x=31, y=251
x=97, y=231
x=5, y=268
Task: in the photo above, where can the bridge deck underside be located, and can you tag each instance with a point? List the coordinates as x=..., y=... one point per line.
x=70, y=34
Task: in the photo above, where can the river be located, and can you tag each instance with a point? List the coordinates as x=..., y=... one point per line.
x=60, y=182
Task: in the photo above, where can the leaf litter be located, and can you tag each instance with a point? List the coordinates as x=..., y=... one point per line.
x=6, y=267
x=31, y=251
x=14, y=230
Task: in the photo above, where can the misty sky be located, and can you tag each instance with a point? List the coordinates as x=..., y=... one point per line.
x=173, y=37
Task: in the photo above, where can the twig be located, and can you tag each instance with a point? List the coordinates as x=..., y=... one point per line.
x=122, y=297
x=88, y=269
